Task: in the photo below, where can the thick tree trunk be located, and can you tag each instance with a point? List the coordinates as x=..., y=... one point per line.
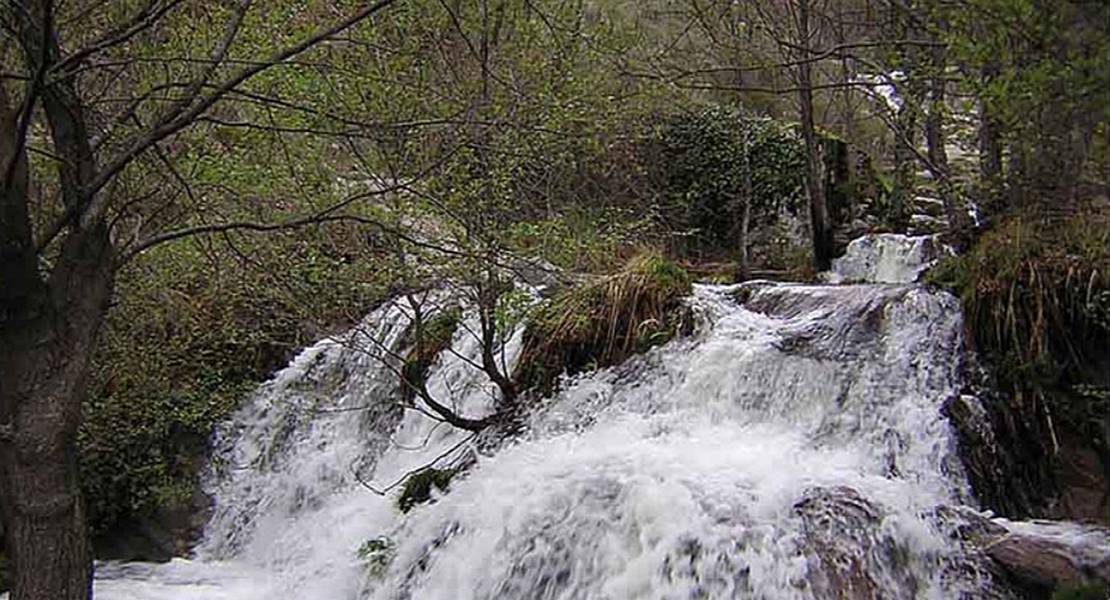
x=48, y=329
x=44, y=360
x=45, y=534
x=815, y=179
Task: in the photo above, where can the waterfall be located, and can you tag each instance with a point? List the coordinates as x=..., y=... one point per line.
x=792, y=447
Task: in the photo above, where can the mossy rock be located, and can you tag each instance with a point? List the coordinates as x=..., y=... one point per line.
x=604, y=321
x=1084, y=592
x=418, y=487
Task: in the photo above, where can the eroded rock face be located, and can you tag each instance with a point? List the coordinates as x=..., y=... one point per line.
x=1017, y=465
x=853, y=553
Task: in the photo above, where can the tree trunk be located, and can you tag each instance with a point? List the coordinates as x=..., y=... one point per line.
x=744, y=270
x=48, y=329
x=47, y=337
x=990, y=149
x=904, y=159
x=815, y=188
x=935, y=140
x=46, y=341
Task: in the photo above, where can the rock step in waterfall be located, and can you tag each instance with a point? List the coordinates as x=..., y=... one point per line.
x=793, y=447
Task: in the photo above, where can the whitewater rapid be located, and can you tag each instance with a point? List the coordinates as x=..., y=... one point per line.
x=792, y=447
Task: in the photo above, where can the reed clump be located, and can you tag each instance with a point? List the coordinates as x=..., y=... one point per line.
x=1036, y=298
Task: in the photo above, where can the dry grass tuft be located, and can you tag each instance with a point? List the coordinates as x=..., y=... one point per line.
x=604, y=321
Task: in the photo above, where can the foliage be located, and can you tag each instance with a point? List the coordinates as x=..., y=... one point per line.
x=707, y=158
x=377, y=554
x=584, y=239
x=603, y=321
x=1034, y=292
x=431, y=339
x=1040, y=74
x=195, y=327
x=418, y=487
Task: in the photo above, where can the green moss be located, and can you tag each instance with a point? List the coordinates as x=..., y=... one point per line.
x=432, y=338
x=377, y=553
x=418, y=487
x=602, y=322
x=1083, y=592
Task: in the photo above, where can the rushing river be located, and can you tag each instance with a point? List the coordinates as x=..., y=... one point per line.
x=792, y=447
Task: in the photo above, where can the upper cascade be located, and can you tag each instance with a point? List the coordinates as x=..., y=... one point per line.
x=887, y=258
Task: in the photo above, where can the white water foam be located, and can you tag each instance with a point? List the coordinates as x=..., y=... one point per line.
x=792, y=447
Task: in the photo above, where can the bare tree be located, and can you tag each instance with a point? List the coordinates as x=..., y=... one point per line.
x=58, y=274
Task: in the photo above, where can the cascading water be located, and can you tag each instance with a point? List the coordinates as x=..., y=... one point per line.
x=793, y=447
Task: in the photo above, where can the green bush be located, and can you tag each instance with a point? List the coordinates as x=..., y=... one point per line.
x=705, y=160
x=195, y=326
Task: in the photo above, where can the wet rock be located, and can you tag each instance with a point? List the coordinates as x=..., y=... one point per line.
x=850, y=557
x=887, y=258
x=170, y=531
x=1007, y=451
x=1051, y=555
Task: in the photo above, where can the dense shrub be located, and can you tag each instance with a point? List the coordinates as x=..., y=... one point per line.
x=195, y=326
x=705, y=160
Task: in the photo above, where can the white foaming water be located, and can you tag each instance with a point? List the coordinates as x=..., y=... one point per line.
x=793, y=447
x=887, y=258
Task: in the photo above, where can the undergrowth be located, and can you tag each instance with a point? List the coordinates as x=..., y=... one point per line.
x=604, y=321
x=1036, y=298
